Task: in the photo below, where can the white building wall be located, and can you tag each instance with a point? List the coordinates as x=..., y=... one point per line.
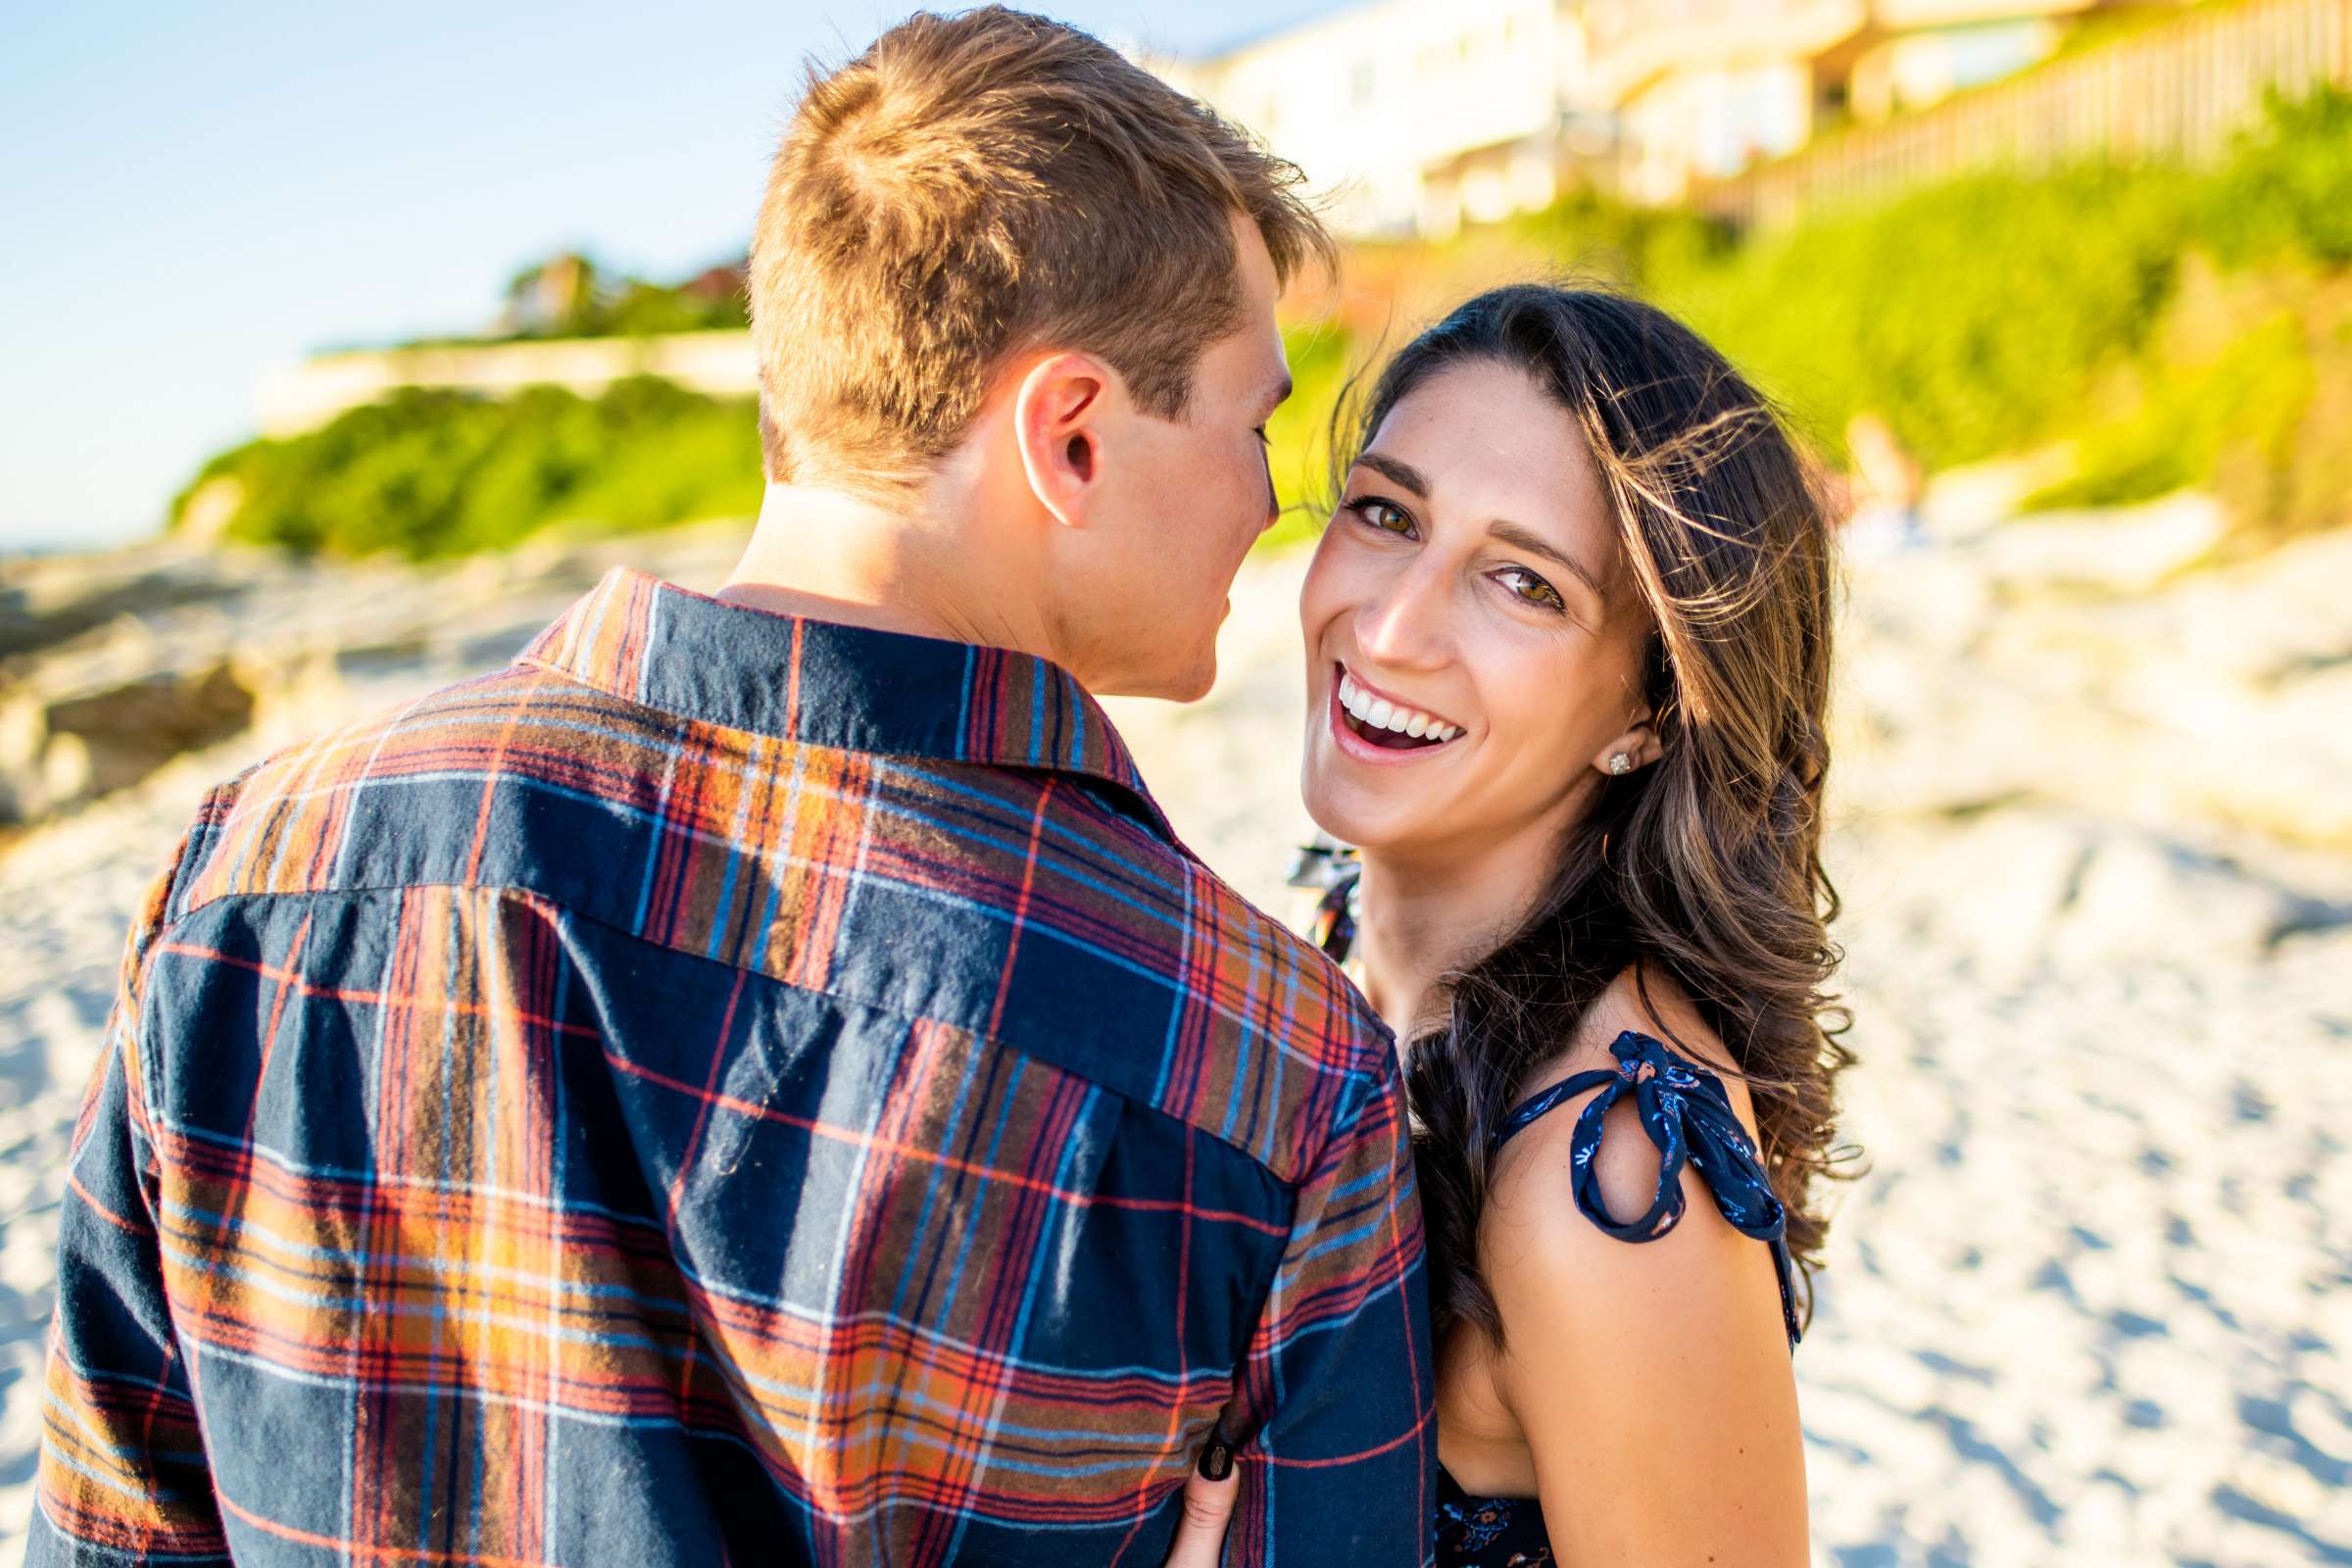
x=1711, y=122
x=1422, y=115
x=1371, y=100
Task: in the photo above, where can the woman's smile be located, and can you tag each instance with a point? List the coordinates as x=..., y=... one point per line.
x=1374, y=727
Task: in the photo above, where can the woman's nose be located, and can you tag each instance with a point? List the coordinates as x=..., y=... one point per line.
x=1403, y=626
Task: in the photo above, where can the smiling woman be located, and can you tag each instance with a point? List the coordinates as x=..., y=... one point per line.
x=1567, y=640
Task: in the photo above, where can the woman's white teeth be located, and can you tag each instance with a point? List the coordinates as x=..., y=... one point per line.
x=1378, y=712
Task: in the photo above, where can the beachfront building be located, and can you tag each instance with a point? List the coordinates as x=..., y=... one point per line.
x=1413, y=113
x=1426, y=113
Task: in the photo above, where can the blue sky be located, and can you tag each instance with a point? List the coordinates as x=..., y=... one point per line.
x=194, y=194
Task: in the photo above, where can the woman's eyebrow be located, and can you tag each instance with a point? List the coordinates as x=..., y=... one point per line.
x=1398, y=471
x=1527, y=539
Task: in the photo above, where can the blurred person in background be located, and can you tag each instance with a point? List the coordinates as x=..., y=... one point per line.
x=758, y=1080
x=1886, y=489
x=1568, y=648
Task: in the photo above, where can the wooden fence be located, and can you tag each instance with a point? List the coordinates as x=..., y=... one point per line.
x=2176, y=91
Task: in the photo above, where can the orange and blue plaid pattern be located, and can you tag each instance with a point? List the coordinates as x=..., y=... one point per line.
x=727, y=1089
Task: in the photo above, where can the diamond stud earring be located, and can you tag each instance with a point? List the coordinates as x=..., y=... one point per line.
x=1621, y=762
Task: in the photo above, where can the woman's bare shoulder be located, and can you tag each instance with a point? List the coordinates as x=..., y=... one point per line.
x=1533, y=1223
x=1671, y=1348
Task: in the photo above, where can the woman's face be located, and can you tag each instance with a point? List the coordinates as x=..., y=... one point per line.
x=1472, y=582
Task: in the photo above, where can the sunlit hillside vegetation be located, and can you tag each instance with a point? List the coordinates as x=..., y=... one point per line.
x=2168, y=327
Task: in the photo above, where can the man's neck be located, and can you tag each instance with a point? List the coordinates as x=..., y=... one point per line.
x=828, y=554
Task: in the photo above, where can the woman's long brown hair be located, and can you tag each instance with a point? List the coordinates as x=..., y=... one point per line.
x=1704, y=866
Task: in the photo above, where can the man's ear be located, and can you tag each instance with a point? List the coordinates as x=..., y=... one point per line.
x=1058, y=409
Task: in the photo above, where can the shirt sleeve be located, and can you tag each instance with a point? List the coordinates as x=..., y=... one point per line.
x=1339, y=1382
x=121, y=1478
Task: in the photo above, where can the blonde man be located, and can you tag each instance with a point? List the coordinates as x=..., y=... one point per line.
x=756, y=1080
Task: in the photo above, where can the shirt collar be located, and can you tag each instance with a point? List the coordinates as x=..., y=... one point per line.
x=826, y=684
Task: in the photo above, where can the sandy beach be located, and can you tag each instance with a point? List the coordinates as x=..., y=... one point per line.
x=2092, y=1302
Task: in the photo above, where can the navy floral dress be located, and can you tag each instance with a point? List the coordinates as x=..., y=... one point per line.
x=1687, y=1114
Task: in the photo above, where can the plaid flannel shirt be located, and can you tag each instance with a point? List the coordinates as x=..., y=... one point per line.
x=727, y=1089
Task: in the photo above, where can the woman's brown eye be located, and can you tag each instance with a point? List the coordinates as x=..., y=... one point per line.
x=1531, y=588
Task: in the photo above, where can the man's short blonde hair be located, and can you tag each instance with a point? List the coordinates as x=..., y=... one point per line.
x=976, y=185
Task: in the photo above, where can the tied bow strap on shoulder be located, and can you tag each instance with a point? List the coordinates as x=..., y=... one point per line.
x=1684, y=1108
x=1688, y=1114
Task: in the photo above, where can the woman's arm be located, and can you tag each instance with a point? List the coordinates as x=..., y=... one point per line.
x=1651, y=1379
